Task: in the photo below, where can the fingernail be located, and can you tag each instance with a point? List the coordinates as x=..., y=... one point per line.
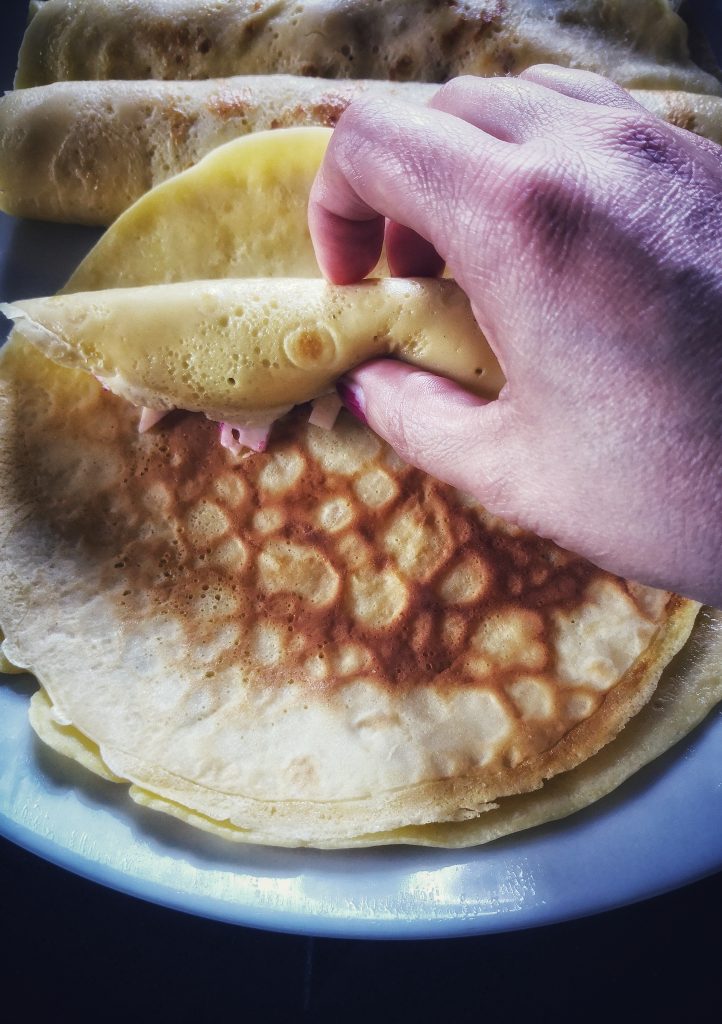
x=352, y=397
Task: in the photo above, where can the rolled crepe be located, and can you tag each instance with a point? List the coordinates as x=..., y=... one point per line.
x=635, y=42
x=83, y=152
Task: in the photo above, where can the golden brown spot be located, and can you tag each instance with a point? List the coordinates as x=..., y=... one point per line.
x=533, y=697
x=375, y=488
x=268, y=520
x=335, y=515
x=228, y=104
x=419, y=540
x=345, y=449
x=511, y=638
x=267, y=643
x=309, y=349
x=466, y=582
x=157, y=498
x=294, y=569
x=349, y=659
x=231, y=488
x=354, y=551
x=206, y=521
x=281, y=471
x=376, y=599
x=453, y=630
x=231, y=555
x=328, y=110
x=179, y=124
x=580, y=705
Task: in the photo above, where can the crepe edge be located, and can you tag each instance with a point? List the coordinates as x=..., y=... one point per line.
x=690, y=686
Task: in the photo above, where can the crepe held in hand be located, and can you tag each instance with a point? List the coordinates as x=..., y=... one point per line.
x=246, y=350
x=634, y=42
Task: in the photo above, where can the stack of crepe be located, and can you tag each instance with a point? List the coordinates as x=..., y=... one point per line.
x=312, y=644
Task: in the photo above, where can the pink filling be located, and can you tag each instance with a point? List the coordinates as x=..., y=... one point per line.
x=149, y=418
x=325, y=410
x=235, y=437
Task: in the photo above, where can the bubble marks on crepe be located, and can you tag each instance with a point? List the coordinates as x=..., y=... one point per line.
x=325, y=563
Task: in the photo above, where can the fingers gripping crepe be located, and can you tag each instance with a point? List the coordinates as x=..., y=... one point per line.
x=312, y=644
x=85, y=151
x=635, y=42
x=247, y=350
x=315, y=646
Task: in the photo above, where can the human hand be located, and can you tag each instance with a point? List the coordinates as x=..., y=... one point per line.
x=588, y=236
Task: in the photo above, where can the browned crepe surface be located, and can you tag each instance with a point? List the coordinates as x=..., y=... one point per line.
x=318, y=641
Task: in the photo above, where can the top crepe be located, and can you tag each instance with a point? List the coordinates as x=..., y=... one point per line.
x=247, y=350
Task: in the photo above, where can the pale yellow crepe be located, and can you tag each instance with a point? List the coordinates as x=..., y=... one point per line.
x=85, y=151
x=314, y=643
x=246, y=350
x=239, y=212
x=690, y=686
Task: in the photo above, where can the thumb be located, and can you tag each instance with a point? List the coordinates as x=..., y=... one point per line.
x=435, y=425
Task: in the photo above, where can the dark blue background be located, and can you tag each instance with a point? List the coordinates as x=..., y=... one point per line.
x=72, y=950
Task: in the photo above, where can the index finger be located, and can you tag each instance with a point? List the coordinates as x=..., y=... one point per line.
x=395, y=160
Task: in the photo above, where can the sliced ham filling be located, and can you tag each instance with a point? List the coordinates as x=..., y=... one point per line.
x=237, y=437
x=325, y=411
x=149, y=418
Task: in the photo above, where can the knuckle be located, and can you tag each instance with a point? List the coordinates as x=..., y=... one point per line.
x=649, y=144
x=550, y=209
x=452, y=90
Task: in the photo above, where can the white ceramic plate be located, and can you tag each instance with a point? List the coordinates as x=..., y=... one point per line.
x=659, y=831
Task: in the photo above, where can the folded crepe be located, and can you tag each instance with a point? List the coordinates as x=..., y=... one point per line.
x=246, y=351
x=317, y=645
x=634, y=42
x=85, y=151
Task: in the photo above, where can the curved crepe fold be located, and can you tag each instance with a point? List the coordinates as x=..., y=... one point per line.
x=318, y=645
x=85, y=151
x=635, y=42
x=247, y=350
x=239, y=212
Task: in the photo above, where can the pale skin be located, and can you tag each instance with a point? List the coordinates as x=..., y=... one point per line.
x=588, y=236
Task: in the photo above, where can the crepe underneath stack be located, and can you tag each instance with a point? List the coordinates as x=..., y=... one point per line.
x=316, y=645
x=312, y=644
